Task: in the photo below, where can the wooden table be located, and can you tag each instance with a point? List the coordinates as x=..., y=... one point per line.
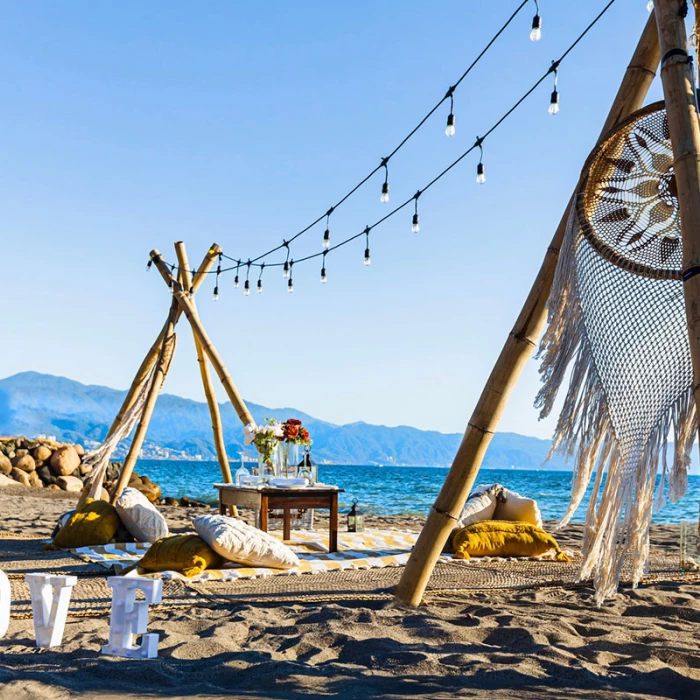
x=269, y=498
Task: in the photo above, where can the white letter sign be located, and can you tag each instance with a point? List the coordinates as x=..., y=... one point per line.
x=50, y=599
x=129, y=618
x=5, y=595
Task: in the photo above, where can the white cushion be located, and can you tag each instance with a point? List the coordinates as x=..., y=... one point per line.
x=140, y=517
x=517, y=507
x=241, y=543
x=480, y=506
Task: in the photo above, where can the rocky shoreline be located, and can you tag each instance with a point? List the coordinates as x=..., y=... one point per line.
x=46, y=463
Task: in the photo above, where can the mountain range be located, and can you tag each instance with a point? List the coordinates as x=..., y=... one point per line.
x=32, y=404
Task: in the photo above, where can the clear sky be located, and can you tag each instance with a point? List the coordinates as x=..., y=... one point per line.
x=125, y=126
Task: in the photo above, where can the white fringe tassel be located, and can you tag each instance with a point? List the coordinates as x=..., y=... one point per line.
x=617, y=528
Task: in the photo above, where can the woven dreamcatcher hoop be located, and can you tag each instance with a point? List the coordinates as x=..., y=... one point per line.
x=617, y=322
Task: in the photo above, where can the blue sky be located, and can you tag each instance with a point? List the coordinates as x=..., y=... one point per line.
x=127, y=126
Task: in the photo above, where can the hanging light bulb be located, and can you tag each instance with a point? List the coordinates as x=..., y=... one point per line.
x=323, y=269
x=554, y=99
x=149, y=264
x=650, y=6
x=536, y=33
x=285, y=270
x=385, y=187
x=236, y=280
x=480, y=176
x=246, y=288
x=327, y=233
x=554, y=103
x=368, y=259
x=290, y=285
x=450, y=129
x=216, y=293
x=385, y=193
x=259, y=286
x=415, y=226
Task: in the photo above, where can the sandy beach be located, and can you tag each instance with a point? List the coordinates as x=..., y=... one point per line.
x=530, y=643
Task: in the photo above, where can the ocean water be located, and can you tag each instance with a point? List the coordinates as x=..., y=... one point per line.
x=407, y=490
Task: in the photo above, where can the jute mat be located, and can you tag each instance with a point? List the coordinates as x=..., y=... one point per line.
x=91, y=597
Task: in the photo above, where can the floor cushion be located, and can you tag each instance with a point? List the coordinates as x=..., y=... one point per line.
x=481, y=505
x=244, y=544
x=188, y=554
x=513, y=506
x=498, y=538
x=93, y=523
x=140, y=517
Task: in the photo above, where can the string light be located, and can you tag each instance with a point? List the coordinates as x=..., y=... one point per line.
x=450, y=129
x=368, y=259
x=327, y=233
x=149, y=265
x=480, y=174
x=385, y=187
x=536, y=33
x=171, y=286
x=650, y=6
x=415, y=225
x=290, y=284
x=246, y=286
x=191, y=292
x=323, y=269
x=236, y=280
x=262, y=268
x=554, y=99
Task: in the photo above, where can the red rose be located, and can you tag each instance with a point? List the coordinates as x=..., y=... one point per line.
x=293, y=421
x=304, y=434
x=291, y=431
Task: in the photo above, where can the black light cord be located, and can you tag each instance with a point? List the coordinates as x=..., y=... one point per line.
x=477, y=144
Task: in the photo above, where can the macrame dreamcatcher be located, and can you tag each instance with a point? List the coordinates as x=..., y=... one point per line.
x=617, y=322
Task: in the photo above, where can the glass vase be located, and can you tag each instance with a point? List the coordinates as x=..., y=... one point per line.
x=288, y=454
x=267, y=464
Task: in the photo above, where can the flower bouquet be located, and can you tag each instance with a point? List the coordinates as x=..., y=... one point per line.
x=293, y=435
x=266, y=439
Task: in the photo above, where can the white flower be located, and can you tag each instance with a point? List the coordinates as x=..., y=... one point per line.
x=250, y=431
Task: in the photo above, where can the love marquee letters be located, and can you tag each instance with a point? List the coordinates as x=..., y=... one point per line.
x=50, y=597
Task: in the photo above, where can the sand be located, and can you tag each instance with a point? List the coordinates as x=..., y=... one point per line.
x=544, y=643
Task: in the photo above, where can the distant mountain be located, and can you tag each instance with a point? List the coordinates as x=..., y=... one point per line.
x=33, y=403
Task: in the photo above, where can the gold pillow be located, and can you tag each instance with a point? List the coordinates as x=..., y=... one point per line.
x=500, y=538
x=93, y=523
x=189, y=554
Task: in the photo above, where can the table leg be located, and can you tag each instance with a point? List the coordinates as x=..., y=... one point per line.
x=287, y=525
x=333, y=524
x=263, y=513
x=222, y=507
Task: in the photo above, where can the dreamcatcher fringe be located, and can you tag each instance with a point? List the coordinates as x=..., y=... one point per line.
x=618, y=526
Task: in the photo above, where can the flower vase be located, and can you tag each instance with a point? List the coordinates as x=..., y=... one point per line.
x=266, y=464
x=288, y=458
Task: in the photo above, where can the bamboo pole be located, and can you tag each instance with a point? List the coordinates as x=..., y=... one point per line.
x=514, y=355
x=684, y=129
x=216, y=426
x=161, y=369
x=148, y=361
x=190, y=312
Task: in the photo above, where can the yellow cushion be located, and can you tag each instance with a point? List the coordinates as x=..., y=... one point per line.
x=93, y=523
x=189, y=554
x=498, y=538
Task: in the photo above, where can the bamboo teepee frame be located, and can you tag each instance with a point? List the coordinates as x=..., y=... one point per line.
x=155, y=365
x=517, y=350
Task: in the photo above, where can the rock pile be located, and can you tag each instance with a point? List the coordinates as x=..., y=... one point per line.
x=53, y=465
